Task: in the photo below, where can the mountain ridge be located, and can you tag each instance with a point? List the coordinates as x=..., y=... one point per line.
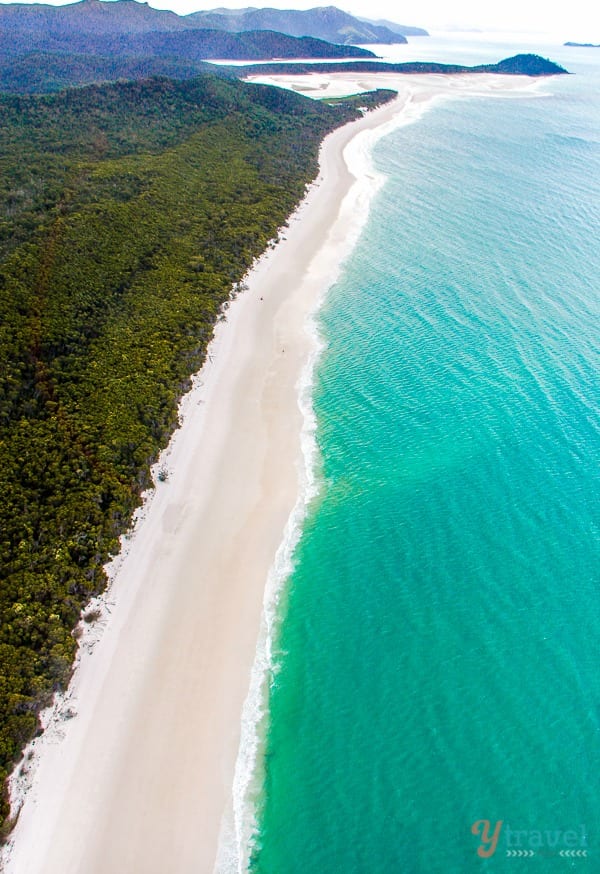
x=130, y=16
x=324, y=22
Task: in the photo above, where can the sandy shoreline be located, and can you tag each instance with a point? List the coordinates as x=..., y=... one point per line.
x=141, y=778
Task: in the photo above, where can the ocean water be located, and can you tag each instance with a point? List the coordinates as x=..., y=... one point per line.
x=438, y=651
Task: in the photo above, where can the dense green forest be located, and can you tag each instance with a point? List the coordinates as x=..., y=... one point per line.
x=193, y=45
x=39, y=62
x=46, y=72
x=128, y=212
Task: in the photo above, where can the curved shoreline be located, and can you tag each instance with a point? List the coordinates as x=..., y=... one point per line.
x=141, y=778
x=240, y=828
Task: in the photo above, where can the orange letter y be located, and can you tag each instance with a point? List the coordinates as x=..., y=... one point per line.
x=488, y=844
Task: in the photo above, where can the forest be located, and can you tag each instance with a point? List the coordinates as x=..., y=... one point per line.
x=33, y=62
x=129, y=213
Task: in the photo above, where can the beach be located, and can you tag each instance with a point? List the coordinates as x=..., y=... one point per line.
x=137, y=767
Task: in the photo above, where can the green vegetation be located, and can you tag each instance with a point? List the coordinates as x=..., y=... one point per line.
x=127, y=214
x=41, y=62
x=191, y=45
x=364, y=99
x=44, y=72
x=518, y=65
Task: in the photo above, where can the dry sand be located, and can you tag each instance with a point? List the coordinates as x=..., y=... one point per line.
x=140, y=779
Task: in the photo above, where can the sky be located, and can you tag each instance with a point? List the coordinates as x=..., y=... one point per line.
x=568, y=19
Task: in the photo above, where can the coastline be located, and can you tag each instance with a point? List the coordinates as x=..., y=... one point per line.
x=240, y=825
x=142, y=778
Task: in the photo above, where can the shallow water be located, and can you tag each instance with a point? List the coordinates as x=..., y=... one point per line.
x=438, y=650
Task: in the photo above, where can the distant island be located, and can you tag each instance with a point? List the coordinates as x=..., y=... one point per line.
x=517, y=65
x=584, y=45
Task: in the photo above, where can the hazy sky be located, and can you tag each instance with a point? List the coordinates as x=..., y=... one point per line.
x=567, y=19
x=571, y=18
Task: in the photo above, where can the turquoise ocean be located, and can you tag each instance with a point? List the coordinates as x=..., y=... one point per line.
x=438, y=645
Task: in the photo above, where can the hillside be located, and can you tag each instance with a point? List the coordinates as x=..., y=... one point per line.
x=191, y=45
x=43, y=63
x=128, y=213
x=44, y=73
x=327, y=22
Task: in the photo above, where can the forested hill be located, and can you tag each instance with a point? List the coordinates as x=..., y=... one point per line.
x=518, y=65
x=44, y=73
x=128, y=212
x=39, y=62
x=194, y=45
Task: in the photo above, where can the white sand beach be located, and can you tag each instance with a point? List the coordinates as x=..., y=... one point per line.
x=140, y=778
